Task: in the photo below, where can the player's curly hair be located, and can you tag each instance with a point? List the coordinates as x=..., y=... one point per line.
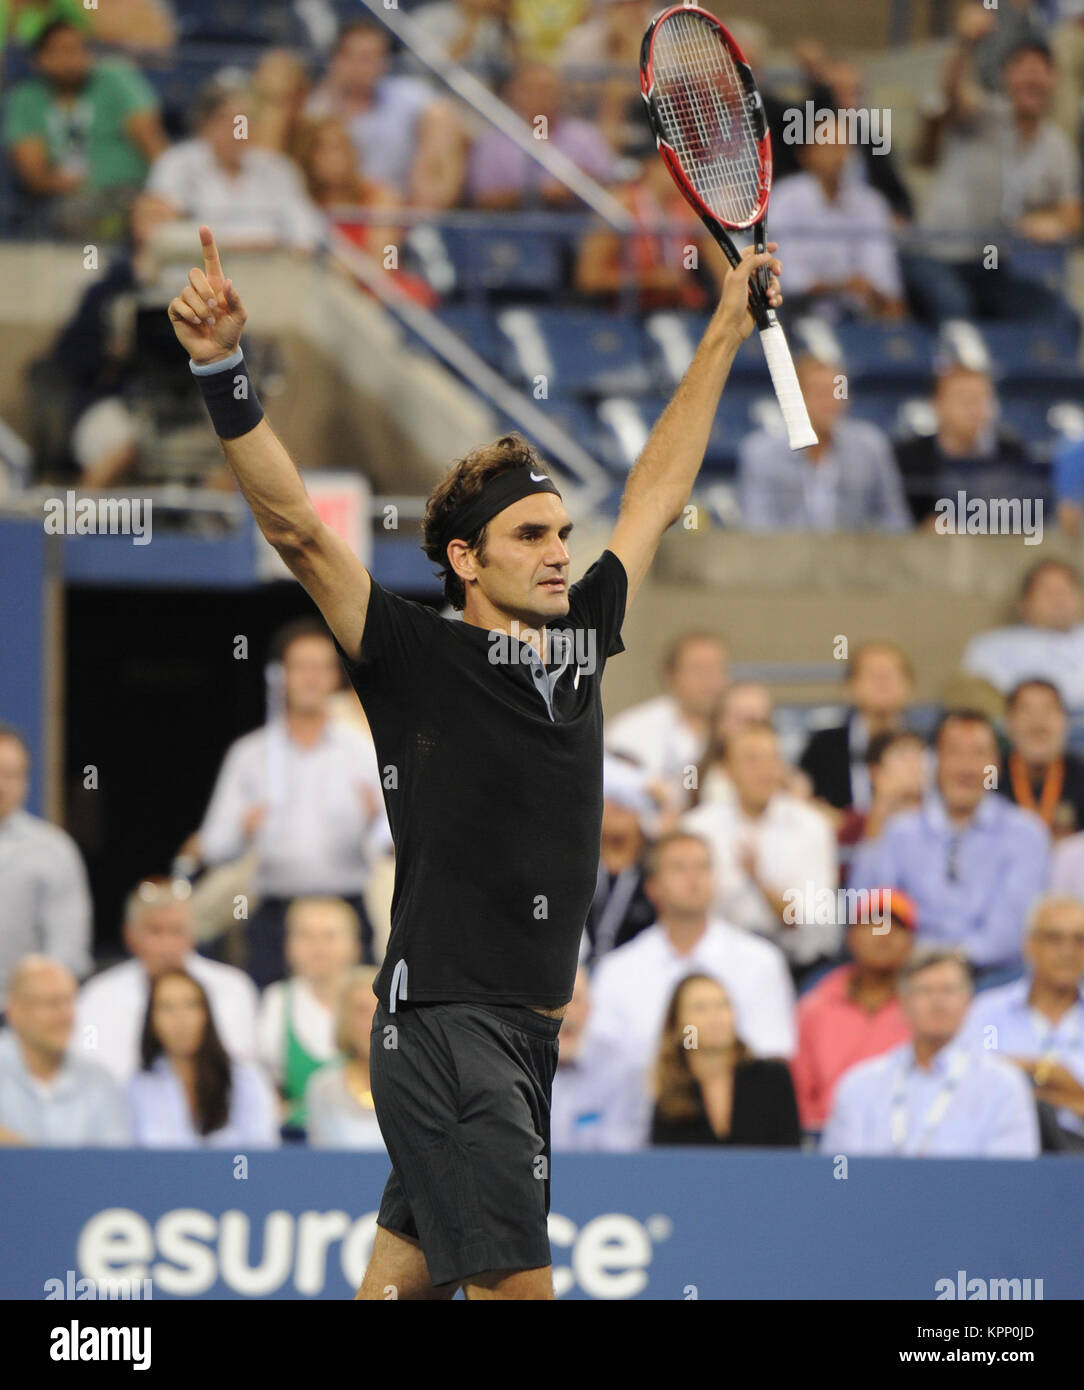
x=462, y=483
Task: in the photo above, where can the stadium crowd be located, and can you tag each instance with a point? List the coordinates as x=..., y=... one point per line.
x=316, y=123
x=881, y=945
x=876, y=946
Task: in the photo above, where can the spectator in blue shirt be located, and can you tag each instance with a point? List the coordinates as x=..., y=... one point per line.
x=933, y=1097
x=49, y=1097
x=189, y=1094
x=1038, y=1022
x=849, y=481
x=973, y=862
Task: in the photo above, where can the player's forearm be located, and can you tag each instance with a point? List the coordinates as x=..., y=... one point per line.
x=272, y=487
x=664, y=475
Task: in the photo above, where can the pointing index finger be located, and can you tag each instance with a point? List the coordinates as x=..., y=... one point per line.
x=211, y=264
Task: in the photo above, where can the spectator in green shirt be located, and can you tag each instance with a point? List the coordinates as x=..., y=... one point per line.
x=83, y=133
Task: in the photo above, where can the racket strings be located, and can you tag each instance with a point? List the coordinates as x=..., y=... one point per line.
x=709, y=117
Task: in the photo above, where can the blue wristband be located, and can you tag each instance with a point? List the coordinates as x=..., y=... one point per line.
x=228, y=393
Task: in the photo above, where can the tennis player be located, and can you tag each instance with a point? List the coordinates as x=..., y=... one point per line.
x=489, y=738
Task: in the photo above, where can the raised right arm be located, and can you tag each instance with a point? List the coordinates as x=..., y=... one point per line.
x=208, y=318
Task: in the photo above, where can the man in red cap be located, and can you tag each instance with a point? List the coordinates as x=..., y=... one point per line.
x=854, y=1013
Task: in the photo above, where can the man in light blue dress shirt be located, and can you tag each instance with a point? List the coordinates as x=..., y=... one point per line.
x=973, y=862
x=49, y=1097
x=847, y=482
x=1038, y=1022
x=933, y=1097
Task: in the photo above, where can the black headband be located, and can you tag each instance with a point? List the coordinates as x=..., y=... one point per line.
x=497, y=494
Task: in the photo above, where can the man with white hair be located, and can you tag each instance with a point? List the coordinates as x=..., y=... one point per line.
x=1038, y=1022
x=933, y=1096
x=49, y=1096
x=160, y=932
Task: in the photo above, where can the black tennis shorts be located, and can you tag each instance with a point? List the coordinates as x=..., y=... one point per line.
x=462, y=1094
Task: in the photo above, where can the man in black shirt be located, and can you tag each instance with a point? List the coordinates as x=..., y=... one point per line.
x=971, y=452
x=489, y=738
x=1038, y=773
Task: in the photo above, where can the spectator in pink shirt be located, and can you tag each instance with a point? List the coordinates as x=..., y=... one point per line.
x=502, y=176
x=853, y=1013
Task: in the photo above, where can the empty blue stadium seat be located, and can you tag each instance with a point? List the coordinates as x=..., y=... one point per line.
x=477, y=326
x=580, y=352
x=673, y=336
x=1031, y=409
x=901, y=350
x=880, y=403
x=237, y=21
x=632, y=419
x=1034, y=350
x=496, y=262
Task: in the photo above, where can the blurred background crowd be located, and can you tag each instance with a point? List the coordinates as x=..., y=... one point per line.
x=869, y=914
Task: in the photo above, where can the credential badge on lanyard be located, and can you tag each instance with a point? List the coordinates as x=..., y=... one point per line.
x=936, y=1113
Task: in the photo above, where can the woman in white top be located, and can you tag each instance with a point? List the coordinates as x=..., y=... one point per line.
x=339, y=1099
x=188, y=1093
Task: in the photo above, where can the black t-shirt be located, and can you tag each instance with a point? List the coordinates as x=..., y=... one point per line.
x=495, y=805
x=1069, y=812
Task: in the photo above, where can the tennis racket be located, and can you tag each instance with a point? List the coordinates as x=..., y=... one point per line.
x=712, y=133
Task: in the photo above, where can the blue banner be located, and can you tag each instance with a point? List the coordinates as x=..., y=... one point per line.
x=674, y=1225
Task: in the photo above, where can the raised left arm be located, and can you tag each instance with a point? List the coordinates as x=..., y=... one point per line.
x=662, y=481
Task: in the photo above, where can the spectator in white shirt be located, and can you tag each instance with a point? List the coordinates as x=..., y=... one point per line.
x=43, y=884
x=771, y=851
x=836, y=235
x=304, y=791
x=667, y=735
x=742, y=704
x=48, y=1096
x=1047, y=643
x=253, y=196
x=161, y=935
x=339, y=1097
x=632, y=986
x=296, y=1026
x=189, y=1092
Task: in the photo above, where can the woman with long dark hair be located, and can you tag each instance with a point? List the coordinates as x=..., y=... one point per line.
x=188, y=1093
x=709, y=1088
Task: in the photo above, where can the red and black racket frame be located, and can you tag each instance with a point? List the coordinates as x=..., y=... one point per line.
x=763, y=314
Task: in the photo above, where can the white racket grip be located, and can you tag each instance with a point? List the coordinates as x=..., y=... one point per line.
x=800, y=433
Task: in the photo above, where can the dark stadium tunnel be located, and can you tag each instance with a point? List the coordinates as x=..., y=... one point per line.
x=153, y=697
